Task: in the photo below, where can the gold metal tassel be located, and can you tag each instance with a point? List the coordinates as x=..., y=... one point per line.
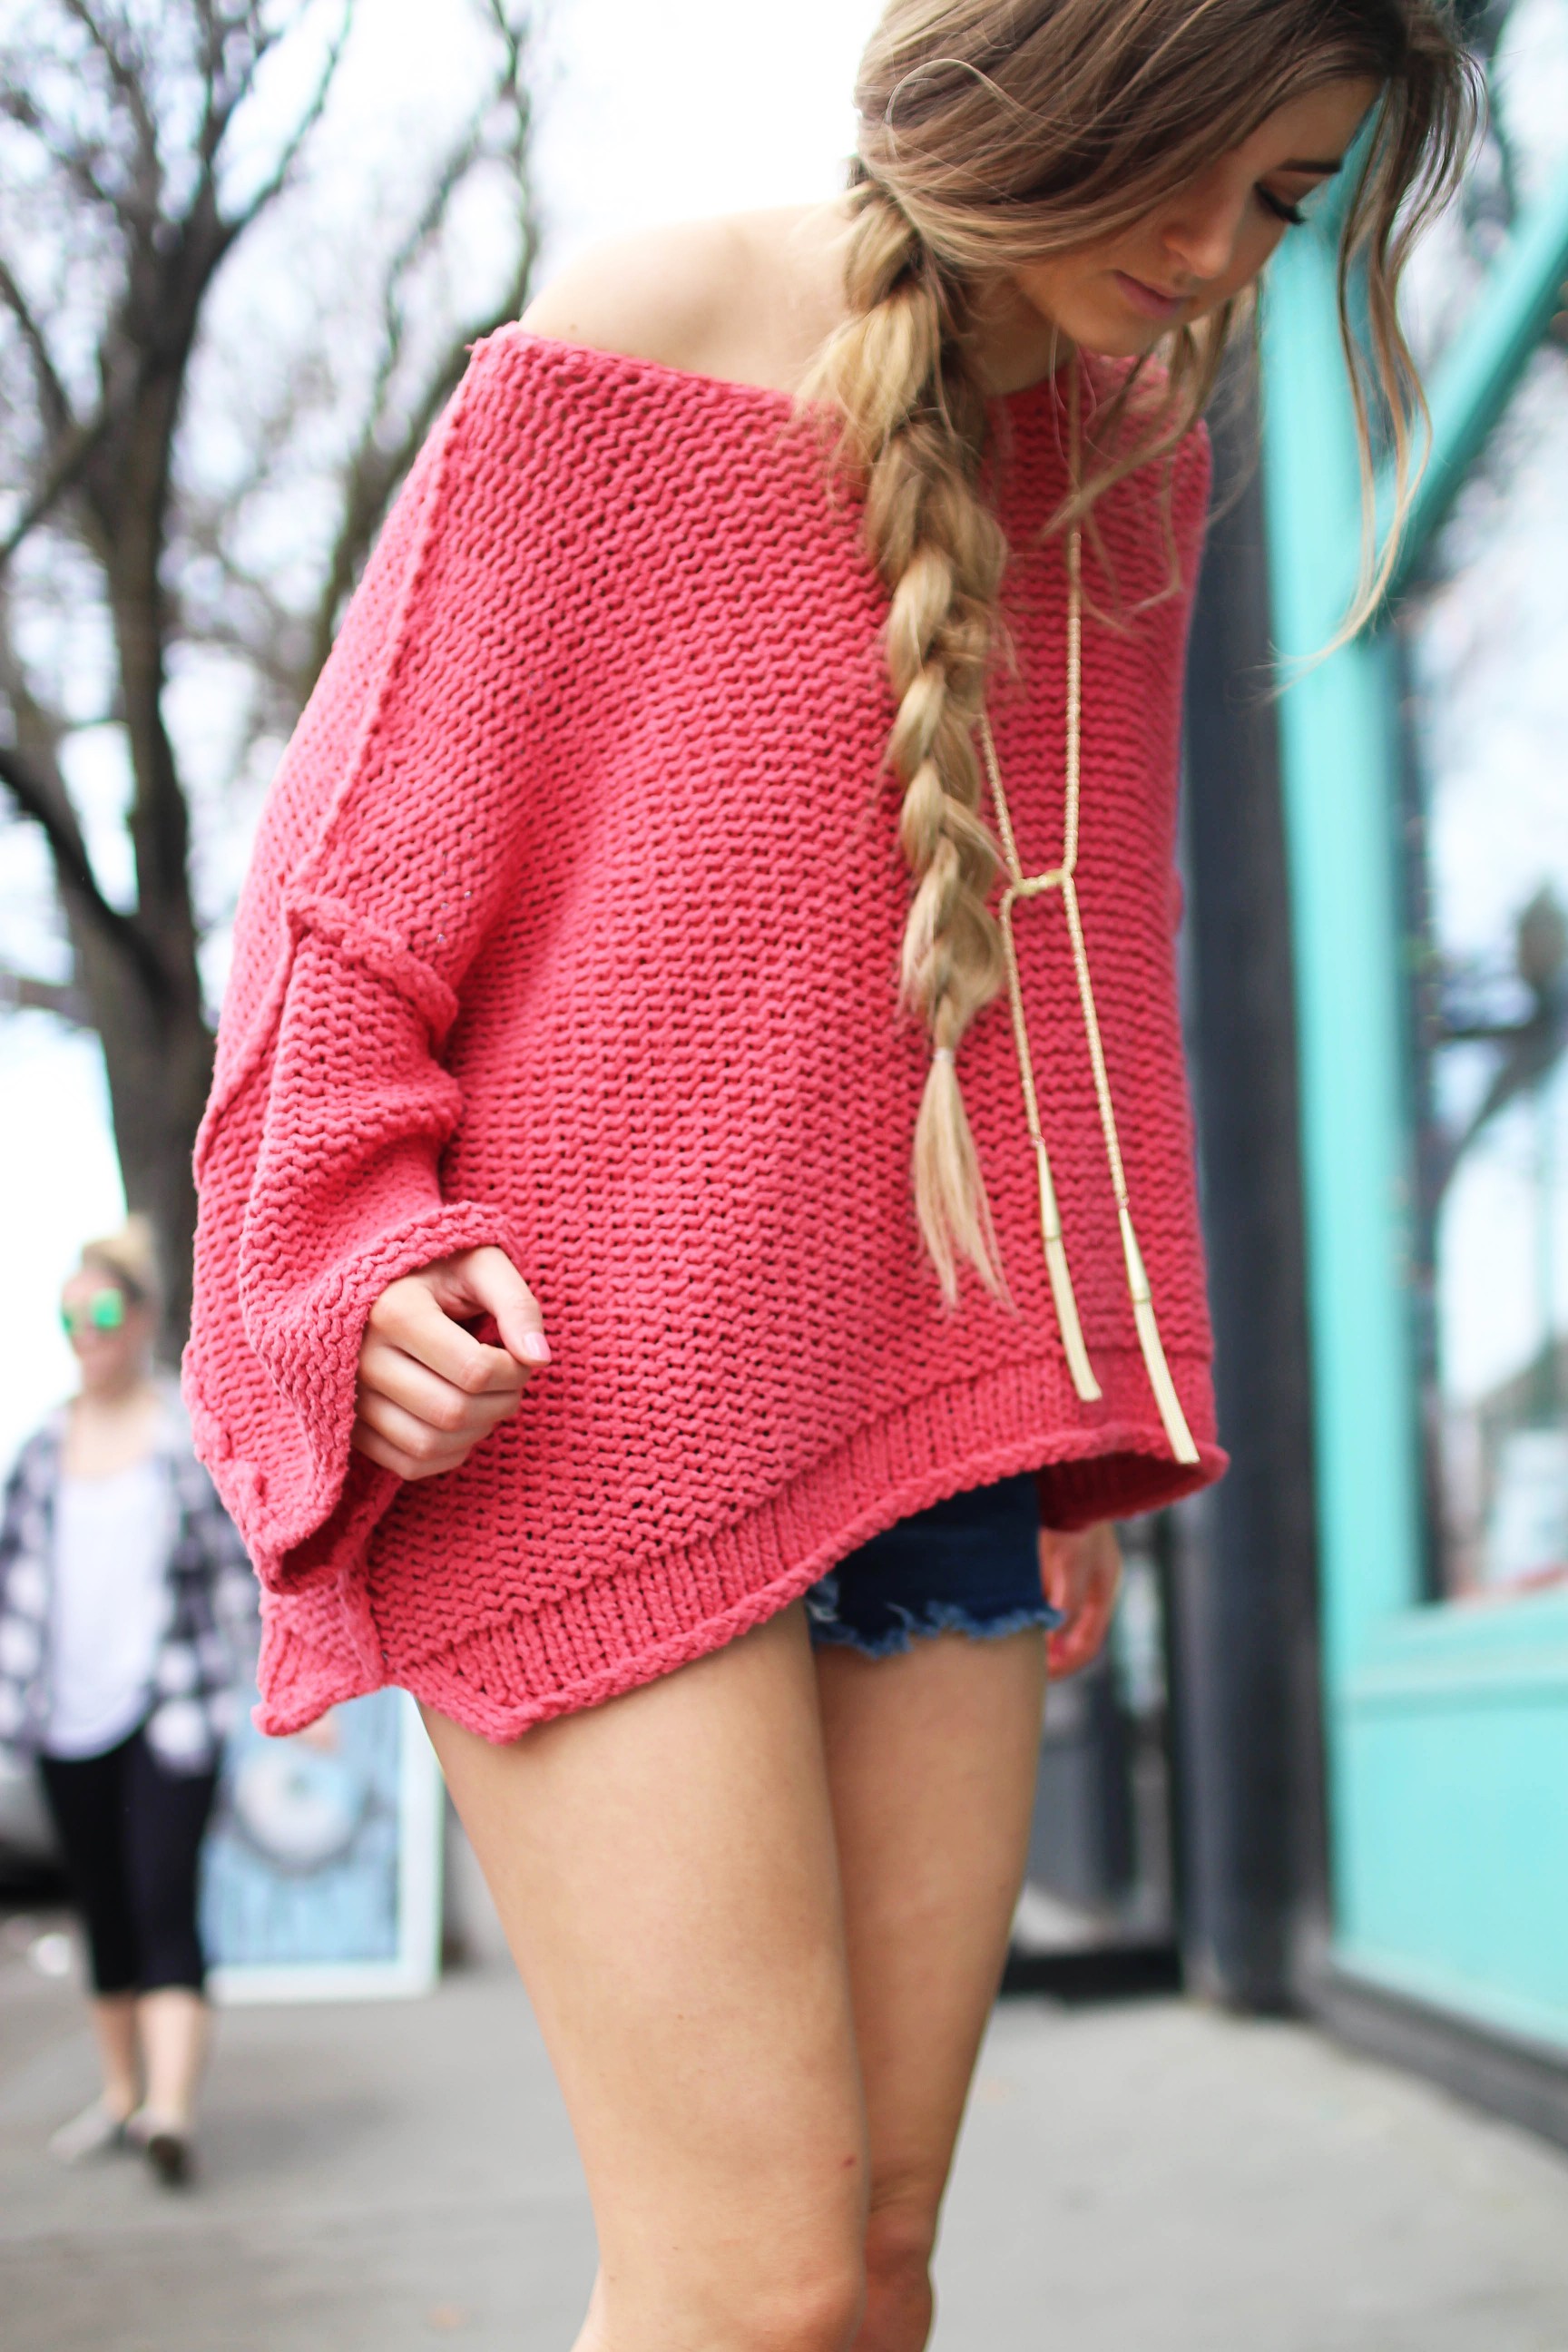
x=1084, y=1383
x=1171, y=1414
x=1081, y=1371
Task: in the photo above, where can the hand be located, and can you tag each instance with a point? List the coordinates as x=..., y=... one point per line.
x=428, y=1390
x=1080, y=1575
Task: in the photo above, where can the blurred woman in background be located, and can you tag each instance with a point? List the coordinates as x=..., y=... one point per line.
x=125, y=1607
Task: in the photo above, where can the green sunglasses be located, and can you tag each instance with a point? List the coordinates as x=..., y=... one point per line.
x=104, y=1311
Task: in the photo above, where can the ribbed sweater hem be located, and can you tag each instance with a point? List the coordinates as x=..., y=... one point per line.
x=609, y=1635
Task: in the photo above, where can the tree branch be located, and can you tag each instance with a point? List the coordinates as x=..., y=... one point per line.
x=68, y=851
x=282, y=170
x=52, y=394
x=65, y=468
x=127, y=76
x=23, y=992
x=74, y=158
x=223, y=93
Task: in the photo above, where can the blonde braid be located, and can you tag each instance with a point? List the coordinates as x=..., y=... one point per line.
x=913, y=433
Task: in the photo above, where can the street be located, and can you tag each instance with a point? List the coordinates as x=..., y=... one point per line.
x=1150, y=2176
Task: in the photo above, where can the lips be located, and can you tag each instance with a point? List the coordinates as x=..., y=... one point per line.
x=1150, y=301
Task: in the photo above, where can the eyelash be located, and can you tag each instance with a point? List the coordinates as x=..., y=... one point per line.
x=1292, y=215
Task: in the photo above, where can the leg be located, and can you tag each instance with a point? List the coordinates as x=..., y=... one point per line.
x=166, y=1818
x=114, y=2032
x=932, y=1758
x=665, y=1870
x=175, y=2027
x=86, y=1797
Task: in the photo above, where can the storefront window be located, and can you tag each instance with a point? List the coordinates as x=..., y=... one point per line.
x=1484, y=646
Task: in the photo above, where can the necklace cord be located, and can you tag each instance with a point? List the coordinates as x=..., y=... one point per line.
x=1062, y=878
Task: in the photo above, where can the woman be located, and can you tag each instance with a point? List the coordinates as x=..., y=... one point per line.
x=570, y=954
x=125, y=1609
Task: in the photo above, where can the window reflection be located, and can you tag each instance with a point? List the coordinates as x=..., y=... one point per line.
x=1485, y=650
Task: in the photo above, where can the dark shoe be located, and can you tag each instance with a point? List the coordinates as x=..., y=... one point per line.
x=169, y=2154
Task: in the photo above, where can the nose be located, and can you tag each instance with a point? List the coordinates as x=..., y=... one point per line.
x=1199, y=232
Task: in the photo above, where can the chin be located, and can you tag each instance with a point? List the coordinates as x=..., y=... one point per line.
x=1121, y=339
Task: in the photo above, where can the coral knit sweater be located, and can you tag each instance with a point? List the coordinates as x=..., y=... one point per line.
x=574, y=927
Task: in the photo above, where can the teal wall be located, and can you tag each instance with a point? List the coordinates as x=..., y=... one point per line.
x=1446, y=1726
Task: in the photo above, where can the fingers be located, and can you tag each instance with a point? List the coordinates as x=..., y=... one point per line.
x=1081, y=1575
x=416, y=1452
x=1064, y=1568
x=1076, y=1646
x=364, y=1440
x=428, y=1390
x=489, y=1278
x=424, y=1421
x=431, y=1449
x=408, y=1316
x=394, y=1373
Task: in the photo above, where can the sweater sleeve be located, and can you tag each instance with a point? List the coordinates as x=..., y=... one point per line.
x=388, y=843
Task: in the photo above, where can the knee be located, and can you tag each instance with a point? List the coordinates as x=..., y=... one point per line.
x=777, y=2296
x=816, y=2308
x=901, y=2235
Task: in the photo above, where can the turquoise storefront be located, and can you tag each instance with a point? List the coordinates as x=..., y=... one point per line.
x=1425, y=780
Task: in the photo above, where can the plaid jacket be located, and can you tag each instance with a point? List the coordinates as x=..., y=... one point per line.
x=208, y=1640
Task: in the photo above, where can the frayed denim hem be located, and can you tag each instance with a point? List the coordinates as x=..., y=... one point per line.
x=829, y=1630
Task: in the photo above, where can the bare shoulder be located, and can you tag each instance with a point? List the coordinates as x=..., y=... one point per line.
x=749, y=297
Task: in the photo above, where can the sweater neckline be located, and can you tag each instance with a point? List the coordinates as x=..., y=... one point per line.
x=739, y=389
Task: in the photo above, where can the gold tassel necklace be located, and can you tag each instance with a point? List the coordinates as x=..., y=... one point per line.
x=1060, y=878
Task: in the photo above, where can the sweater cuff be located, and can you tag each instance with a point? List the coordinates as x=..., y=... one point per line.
x=306, y=1504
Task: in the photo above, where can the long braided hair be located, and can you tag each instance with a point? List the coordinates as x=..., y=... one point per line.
x=993, y=134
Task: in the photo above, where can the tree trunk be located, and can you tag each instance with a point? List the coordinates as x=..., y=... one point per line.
x=158, y=1059
x=157, y=1047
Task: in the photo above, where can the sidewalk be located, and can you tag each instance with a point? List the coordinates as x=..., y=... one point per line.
x=1146, y=2179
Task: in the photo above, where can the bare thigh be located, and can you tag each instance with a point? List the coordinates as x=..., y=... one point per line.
x=666, y=1872
x=931, y=1765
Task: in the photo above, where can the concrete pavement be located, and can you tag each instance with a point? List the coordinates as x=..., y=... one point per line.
x=1151, y=2178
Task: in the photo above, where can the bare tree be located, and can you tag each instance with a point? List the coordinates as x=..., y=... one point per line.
x=140, y=145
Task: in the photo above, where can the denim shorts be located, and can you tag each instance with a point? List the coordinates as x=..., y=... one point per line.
x=970, y=1564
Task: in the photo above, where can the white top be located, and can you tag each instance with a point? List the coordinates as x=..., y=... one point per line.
x=108, y=1605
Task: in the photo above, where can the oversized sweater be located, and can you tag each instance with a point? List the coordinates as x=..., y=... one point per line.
x=572, y=926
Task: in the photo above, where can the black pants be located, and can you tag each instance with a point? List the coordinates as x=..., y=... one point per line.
x=132, y=1835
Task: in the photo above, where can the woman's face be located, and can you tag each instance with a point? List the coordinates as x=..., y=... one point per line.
x=109, y=1335
x=1204, y=243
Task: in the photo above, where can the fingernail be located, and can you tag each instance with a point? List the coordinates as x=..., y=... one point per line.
x=536, y=1346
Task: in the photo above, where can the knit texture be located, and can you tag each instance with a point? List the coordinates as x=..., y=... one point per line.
x=572, y=926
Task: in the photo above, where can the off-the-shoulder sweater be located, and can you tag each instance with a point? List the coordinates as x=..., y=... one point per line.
x=572, y=926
